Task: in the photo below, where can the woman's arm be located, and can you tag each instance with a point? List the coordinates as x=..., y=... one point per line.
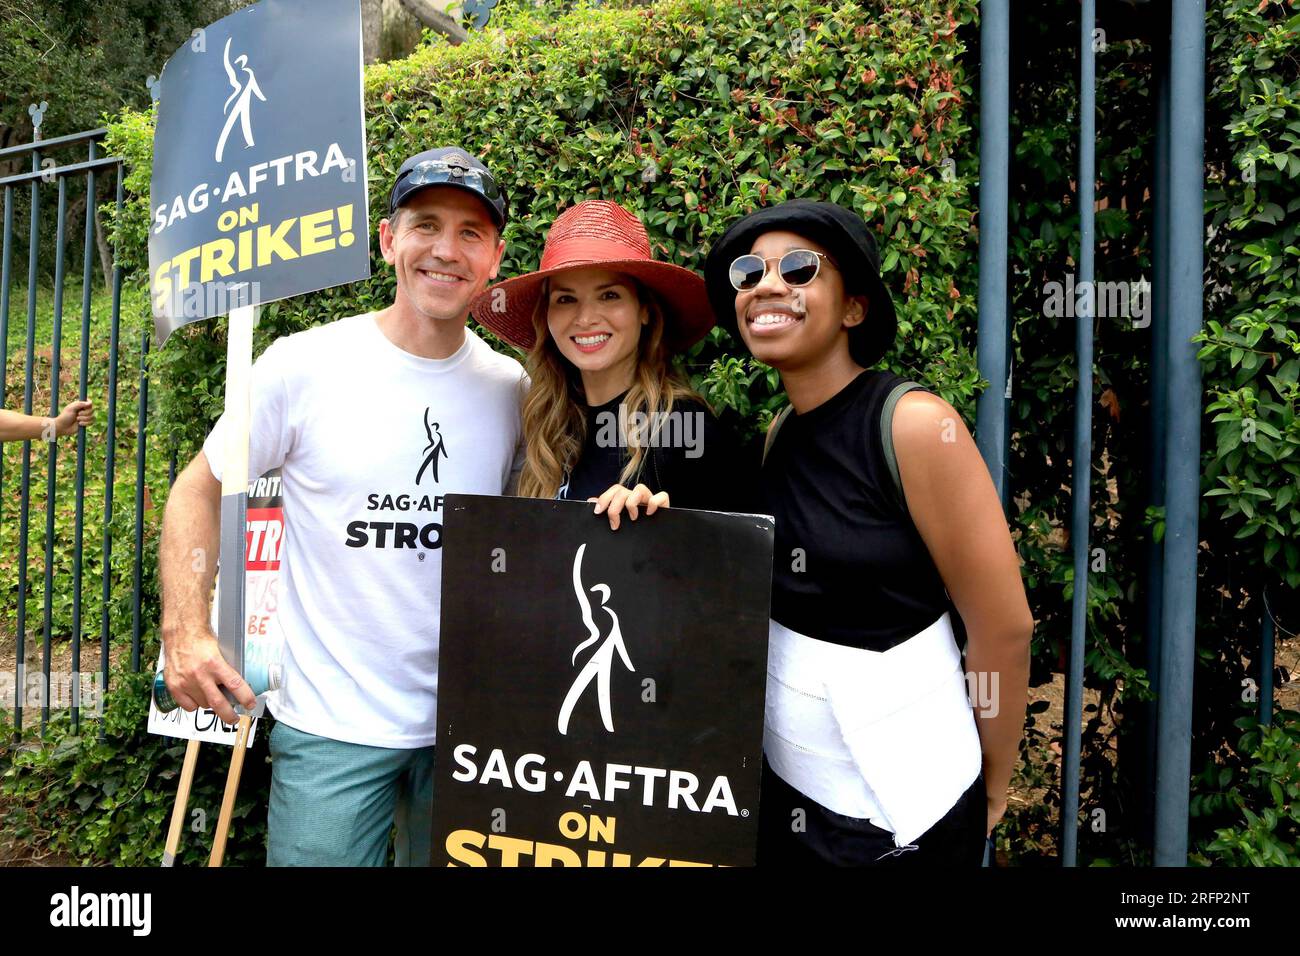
x=15, y=426
x=956, y=510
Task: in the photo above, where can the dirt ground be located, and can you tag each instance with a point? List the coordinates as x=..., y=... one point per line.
x=1051, y=721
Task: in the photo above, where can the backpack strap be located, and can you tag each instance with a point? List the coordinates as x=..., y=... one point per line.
x=777, y=421
x=887, y=435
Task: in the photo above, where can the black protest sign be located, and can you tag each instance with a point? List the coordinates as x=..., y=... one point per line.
x=600, y=693
x=259, y=173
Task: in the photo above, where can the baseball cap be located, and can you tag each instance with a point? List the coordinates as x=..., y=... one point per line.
x=448, y=166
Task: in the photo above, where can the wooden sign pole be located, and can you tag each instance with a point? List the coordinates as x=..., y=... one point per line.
x=182, y=801
x=232, y=787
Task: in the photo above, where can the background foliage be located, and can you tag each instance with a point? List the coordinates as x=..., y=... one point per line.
x=691, y=112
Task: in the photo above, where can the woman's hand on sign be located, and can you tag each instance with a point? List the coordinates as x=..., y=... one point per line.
x=194, y=670
x=617, y=498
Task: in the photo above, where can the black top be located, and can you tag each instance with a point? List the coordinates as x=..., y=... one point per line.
x=861, y=576
x=692, y=457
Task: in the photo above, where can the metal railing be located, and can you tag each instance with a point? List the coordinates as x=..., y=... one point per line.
x=43, y=175
x=1176, y=394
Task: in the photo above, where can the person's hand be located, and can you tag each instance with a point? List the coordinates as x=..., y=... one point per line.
x=617, y=498
x=76, y=414
x=194, y=669
x=997, y=807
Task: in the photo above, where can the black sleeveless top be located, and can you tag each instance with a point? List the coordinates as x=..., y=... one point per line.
x=692, y=457
x=849, y=566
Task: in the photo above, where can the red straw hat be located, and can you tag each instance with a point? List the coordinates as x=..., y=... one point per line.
x=598, y=233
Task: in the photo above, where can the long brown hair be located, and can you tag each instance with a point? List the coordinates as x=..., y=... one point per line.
x=555, y=409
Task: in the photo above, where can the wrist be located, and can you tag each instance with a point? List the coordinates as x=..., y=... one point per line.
x=180, y=629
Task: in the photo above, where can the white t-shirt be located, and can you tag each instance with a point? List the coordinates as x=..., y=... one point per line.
x=369, y=438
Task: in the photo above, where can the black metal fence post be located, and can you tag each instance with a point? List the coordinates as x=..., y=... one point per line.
x=78, y=534
x=1183, y=438
x=137, y=574
x=52, y=459
x=105, y=645
x=26, y=480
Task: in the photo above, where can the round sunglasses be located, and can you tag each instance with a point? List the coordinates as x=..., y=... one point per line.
x=798, y=267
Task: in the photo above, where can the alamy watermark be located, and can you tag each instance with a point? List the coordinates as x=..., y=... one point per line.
x=199, y=299
x=68, y=689
x=1106, y=299
x=659, y=429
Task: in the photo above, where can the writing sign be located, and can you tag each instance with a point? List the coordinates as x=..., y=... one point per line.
x=202, y=724
x=601, y=693
x=258, y=188
x=263, y=639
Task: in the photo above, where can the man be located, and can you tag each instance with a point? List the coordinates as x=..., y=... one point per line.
x=373, y=420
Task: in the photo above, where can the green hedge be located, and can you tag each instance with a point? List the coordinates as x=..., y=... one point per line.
x=1246, y=810
x=691, y=113
x=1252, y=336
x=109, y=801
x=725, y=105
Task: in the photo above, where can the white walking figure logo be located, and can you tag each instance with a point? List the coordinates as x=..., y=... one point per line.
x=244, y=92
x=601, y=662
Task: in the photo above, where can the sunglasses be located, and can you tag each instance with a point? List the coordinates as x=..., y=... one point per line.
x=798, y=267
x=434, y=171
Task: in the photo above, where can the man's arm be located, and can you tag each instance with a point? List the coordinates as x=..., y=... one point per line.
x=187, y=564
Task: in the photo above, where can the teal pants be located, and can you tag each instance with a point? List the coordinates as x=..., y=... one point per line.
x=335, y=803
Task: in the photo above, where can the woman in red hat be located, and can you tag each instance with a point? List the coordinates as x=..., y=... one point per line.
x=608, y=418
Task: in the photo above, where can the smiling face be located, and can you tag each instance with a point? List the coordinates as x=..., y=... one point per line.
x=444, y=248
x=789, y=328
x=595, y=318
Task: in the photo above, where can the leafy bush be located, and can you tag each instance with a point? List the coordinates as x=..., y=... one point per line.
x=690, y=112
x=1252, y=343
x=1257, y=792
x=1251, y=359
x=110, y=801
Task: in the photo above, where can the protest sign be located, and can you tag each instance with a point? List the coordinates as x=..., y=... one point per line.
x=263, y=639
x=259, y=174
x=601, y=693
x=258, y=192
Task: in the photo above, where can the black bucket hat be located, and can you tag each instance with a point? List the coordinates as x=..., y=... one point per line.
x=848, y=240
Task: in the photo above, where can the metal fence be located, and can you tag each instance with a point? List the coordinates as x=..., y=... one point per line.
x=48, y=175
x=1178, y=40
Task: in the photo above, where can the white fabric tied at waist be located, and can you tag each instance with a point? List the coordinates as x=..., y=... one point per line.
x=886, y=736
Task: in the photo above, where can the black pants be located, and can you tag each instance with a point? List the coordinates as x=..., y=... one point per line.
x=820, y=837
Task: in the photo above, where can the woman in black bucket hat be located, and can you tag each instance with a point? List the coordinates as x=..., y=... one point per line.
x=878, y=746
